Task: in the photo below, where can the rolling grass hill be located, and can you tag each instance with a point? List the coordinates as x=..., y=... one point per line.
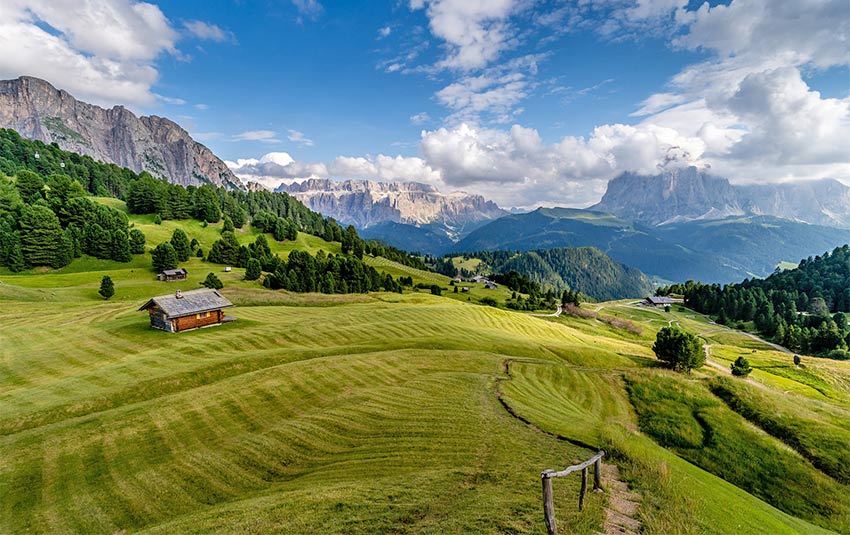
x=386, y=413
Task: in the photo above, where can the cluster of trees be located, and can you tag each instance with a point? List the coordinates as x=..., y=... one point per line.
x=804, y=309
x=51, y=225
x=97, y=178
x=584, y=269
x=51, y=222
x=145, y=194
x=329, y=274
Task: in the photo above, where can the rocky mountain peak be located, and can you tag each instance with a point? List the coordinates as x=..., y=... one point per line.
x=366, y=203
x=692, y=194
x=37, y=110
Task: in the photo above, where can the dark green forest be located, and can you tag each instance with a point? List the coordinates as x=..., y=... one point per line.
x=47, y=219
x=804, y=309
x=582, y=269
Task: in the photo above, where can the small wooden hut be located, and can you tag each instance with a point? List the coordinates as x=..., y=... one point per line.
x=170, y=275
x=183, y=311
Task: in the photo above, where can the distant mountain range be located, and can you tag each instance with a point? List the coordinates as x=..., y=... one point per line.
x=691, y=194
x=367, y=204
x=711, y=251
x=37, y=110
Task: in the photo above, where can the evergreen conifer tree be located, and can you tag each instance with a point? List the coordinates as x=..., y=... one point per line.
x=107, y=288
x=180, y=242
x=212, y=281
x=137, y=241
x=163, y=257
x=253, y=270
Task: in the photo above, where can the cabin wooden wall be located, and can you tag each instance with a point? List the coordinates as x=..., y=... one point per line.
x=159, y=320
x=193, y=321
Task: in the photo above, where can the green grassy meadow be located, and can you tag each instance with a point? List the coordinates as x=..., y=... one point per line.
x=387, y=413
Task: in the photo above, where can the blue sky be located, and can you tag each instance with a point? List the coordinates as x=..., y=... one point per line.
x=323, y=76
x=529, y=102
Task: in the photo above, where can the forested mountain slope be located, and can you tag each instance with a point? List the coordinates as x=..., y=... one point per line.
x=712, y=251
x=583, y=269
x=805, y=309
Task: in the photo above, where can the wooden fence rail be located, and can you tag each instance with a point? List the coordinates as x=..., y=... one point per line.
x=548, y=497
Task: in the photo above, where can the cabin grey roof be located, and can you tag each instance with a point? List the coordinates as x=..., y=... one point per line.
x=178, y=271
x=192, y=302
x=660, y=300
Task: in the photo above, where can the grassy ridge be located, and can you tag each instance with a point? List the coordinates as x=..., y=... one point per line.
x=816, y=430
x=678, y=497
x=689, y=420
x=353, y=413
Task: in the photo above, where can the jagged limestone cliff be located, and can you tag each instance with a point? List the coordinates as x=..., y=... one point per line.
x=366, y=203
x=690, y=194
x=37, y=110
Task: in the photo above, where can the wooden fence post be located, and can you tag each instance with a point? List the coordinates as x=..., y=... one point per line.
x=583, y=488
x=597, y=474
x=548, y=499
x=549, y=504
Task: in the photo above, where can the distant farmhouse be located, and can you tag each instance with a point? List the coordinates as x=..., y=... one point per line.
x=490, y=285
x=660, y=301
x=181, y=311
x=170, y=275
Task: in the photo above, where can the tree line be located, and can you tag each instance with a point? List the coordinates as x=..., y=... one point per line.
x=49, y=223
x=804, y=309
x=584, y=269
x=30, y=235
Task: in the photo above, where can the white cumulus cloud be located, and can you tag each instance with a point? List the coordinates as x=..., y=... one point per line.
x=101, y=51
x=476, y=32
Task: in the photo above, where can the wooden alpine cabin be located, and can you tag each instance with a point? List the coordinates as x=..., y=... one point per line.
x=182, y=311
x=169, y=275
x=660, y=301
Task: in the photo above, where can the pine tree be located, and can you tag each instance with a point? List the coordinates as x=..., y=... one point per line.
x=107, y=288
x=207, y=204
x=41, y=235
x=253, y=270
x=679, y=349
x=15, y=256
x=137, y=241
x=30, y=185
x=741, y=367
x=180, y=242
x=65, y=251
x=212, y=281
x=225, y=250
x=163, y=257
x=228, y=225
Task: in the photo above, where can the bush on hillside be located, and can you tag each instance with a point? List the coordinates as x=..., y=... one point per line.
x=741, y=367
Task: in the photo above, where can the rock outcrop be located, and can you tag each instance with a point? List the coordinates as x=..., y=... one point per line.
x=690, y=194
x=365, y=203
x=37, y=110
